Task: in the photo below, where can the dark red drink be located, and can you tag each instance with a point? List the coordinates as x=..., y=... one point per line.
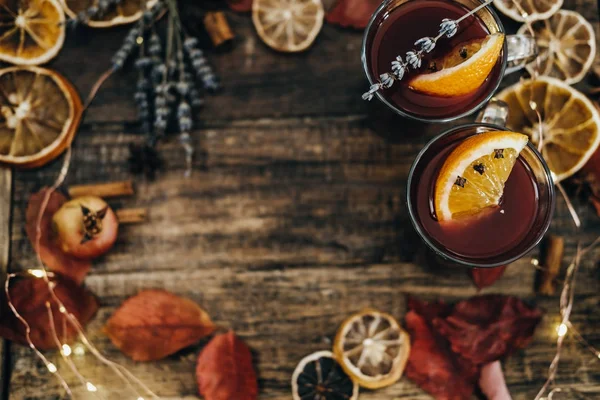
x=490, y=234
x=496, y=236
x=395, y=34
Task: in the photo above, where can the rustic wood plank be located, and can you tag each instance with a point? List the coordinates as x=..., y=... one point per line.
x=5, y=240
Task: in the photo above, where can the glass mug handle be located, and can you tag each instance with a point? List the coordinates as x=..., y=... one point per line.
x=495, y=113
x=522, y=49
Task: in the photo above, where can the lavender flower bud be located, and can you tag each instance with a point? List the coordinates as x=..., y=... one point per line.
x=158, y=72
x=139, y=97
x=143, y=63
x=160, y=124
x=183, y=88
x=143, y=84
x=162, y=112
x=160, y=101
x=448, y=27
x=185, y=124
x=413, y=58
x=387, y=80
x=190, y=43
x=426, y=44
x=196, y=54
x=369, y=95
x=398, y=68
x=184, y=110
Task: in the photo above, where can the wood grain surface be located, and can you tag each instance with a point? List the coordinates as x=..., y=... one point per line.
x=294, y=217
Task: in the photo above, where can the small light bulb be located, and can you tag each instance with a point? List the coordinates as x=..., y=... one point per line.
x=79, y=350
x=38, y=273
x=535, y=262
x=51, y=367
x=62, y=309
x=561, y=330
x=66, y=350
x=139, y=40
x=533, y=105
x=140, y=398
x=91, y=387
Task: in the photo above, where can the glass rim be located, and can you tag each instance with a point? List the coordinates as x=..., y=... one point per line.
x=426, y=237
x=397, y=110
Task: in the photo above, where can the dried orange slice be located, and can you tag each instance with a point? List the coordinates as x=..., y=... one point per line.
x=570, y=123
x=39, y=115
x=31, y=31
x=532, y=10
x=463, y=70
x=372, y=348
x=125, y=12
x=288, y=25
x=567, y=46
x=472, y=177
x=319, y=376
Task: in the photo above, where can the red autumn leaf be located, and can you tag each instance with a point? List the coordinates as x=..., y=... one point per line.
x=49, y=251
x=224, y=370
x=155, y=323
x=492, y=382
x=240, y=5
x=30, y=295
x=352, y=13
x=484, y=277
x=431, y=364
x=487, y=328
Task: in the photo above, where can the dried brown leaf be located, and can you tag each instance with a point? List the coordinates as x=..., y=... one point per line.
x=224, y=370
x=30, y=295
x=155, y=323
x=484, y=277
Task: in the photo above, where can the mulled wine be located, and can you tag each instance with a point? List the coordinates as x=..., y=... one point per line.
x=394, y=31
x=497, y=235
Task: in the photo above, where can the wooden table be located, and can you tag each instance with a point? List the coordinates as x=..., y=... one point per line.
x=294, y=218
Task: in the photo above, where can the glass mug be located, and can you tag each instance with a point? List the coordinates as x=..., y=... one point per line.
x=528, y=201
x=388, y=35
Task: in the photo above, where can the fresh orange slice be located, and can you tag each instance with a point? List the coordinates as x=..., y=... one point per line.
x=127, y=11
x=372, y=348
x=473, y=176
x=32, y=32
x=570, y=124
x=288, y=25
x=567, y=46
x=463, y=70
x=531, y=10
x=39, y=115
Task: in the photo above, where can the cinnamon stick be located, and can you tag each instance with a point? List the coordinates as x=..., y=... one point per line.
x=551, y=261
x=104, y=190
x=131, y=215
x=217, y=27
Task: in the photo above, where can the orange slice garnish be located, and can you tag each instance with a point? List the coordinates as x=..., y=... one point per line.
x=463, y=70
x=472, y=177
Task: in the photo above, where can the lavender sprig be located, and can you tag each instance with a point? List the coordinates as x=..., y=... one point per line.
x=414, y=57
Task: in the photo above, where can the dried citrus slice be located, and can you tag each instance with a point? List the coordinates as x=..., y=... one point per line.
x=532, y=10
x=39, y=115
x=288, y=25
x=463, y=70
x=567, y=46
x=125, y=12
x=372, y=348
x=31, y=31
x=570, y=122
x=472, y=177
x=319, y=376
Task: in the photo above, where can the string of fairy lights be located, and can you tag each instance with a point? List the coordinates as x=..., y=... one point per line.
x=141, y=391
x=567, y=295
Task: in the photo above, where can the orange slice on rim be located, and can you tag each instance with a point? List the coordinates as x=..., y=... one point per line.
x=463, y=70
x=472, y=177
x=32, y=32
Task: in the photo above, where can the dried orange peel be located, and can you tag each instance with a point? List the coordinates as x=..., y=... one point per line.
x=372, y=348
x=31, y=32
x=39, y=115
x=472, y=177
x=463, y=70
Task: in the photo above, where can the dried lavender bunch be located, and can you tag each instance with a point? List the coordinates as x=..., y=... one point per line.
x=414, y=57
x=173, y=72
